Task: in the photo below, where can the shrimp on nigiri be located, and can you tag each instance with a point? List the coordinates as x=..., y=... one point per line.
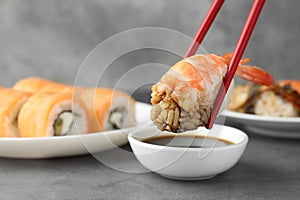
x=184, y=96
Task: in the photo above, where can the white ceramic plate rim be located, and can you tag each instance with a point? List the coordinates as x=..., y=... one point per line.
x=253, y=117
x=71, y=137
x=278, y=127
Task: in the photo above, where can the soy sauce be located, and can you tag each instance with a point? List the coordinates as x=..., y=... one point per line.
x=190, y=141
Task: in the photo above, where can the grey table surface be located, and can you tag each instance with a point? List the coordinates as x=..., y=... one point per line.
x=269, y=169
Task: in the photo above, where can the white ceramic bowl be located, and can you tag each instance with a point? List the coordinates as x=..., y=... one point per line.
x=189, y=163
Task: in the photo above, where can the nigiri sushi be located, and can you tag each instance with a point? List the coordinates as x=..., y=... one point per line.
x=109, y=109
x=52, y=114
x=294, y=84
x=184, y=96
x=10, y=105
x=278, y=100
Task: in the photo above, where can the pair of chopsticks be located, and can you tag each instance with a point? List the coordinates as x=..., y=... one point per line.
x=237, y=54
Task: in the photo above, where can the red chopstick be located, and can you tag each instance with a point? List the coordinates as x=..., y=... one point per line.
x=208, y=20
x=237, y=55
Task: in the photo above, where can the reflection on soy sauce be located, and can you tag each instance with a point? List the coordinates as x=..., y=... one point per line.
x=190, y=141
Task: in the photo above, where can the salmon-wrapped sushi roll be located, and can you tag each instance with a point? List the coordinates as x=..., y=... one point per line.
x=35, y=85
x=52, y=114
x=109, y=109
x=184, y=96
x=10, y=104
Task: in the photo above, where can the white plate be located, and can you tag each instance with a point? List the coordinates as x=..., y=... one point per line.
x=264, y=125
x=71, y=145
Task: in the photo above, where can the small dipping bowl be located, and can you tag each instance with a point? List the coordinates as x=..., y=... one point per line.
x=192, y=155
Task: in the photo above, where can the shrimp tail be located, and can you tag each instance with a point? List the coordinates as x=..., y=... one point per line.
x=251, y=73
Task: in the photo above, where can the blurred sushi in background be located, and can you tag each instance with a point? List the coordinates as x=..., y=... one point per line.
x=37, y=107
x=11, y=103
x=279, y=100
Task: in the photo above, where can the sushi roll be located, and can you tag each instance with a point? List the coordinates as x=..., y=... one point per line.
x=10, y=106
x=52, y=114
x=278, y=100
x=109, y=109
x=34, y=85
x=184, y=96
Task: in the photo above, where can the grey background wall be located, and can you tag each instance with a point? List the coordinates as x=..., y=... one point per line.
x=50, y=38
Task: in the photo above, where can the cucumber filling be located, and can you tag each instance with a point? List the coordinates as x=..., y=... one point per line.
x=64, y=124
x=116, y=118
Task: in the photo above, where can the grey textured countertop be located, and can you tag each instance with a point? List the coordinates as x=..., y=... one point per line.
x=269, y=169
